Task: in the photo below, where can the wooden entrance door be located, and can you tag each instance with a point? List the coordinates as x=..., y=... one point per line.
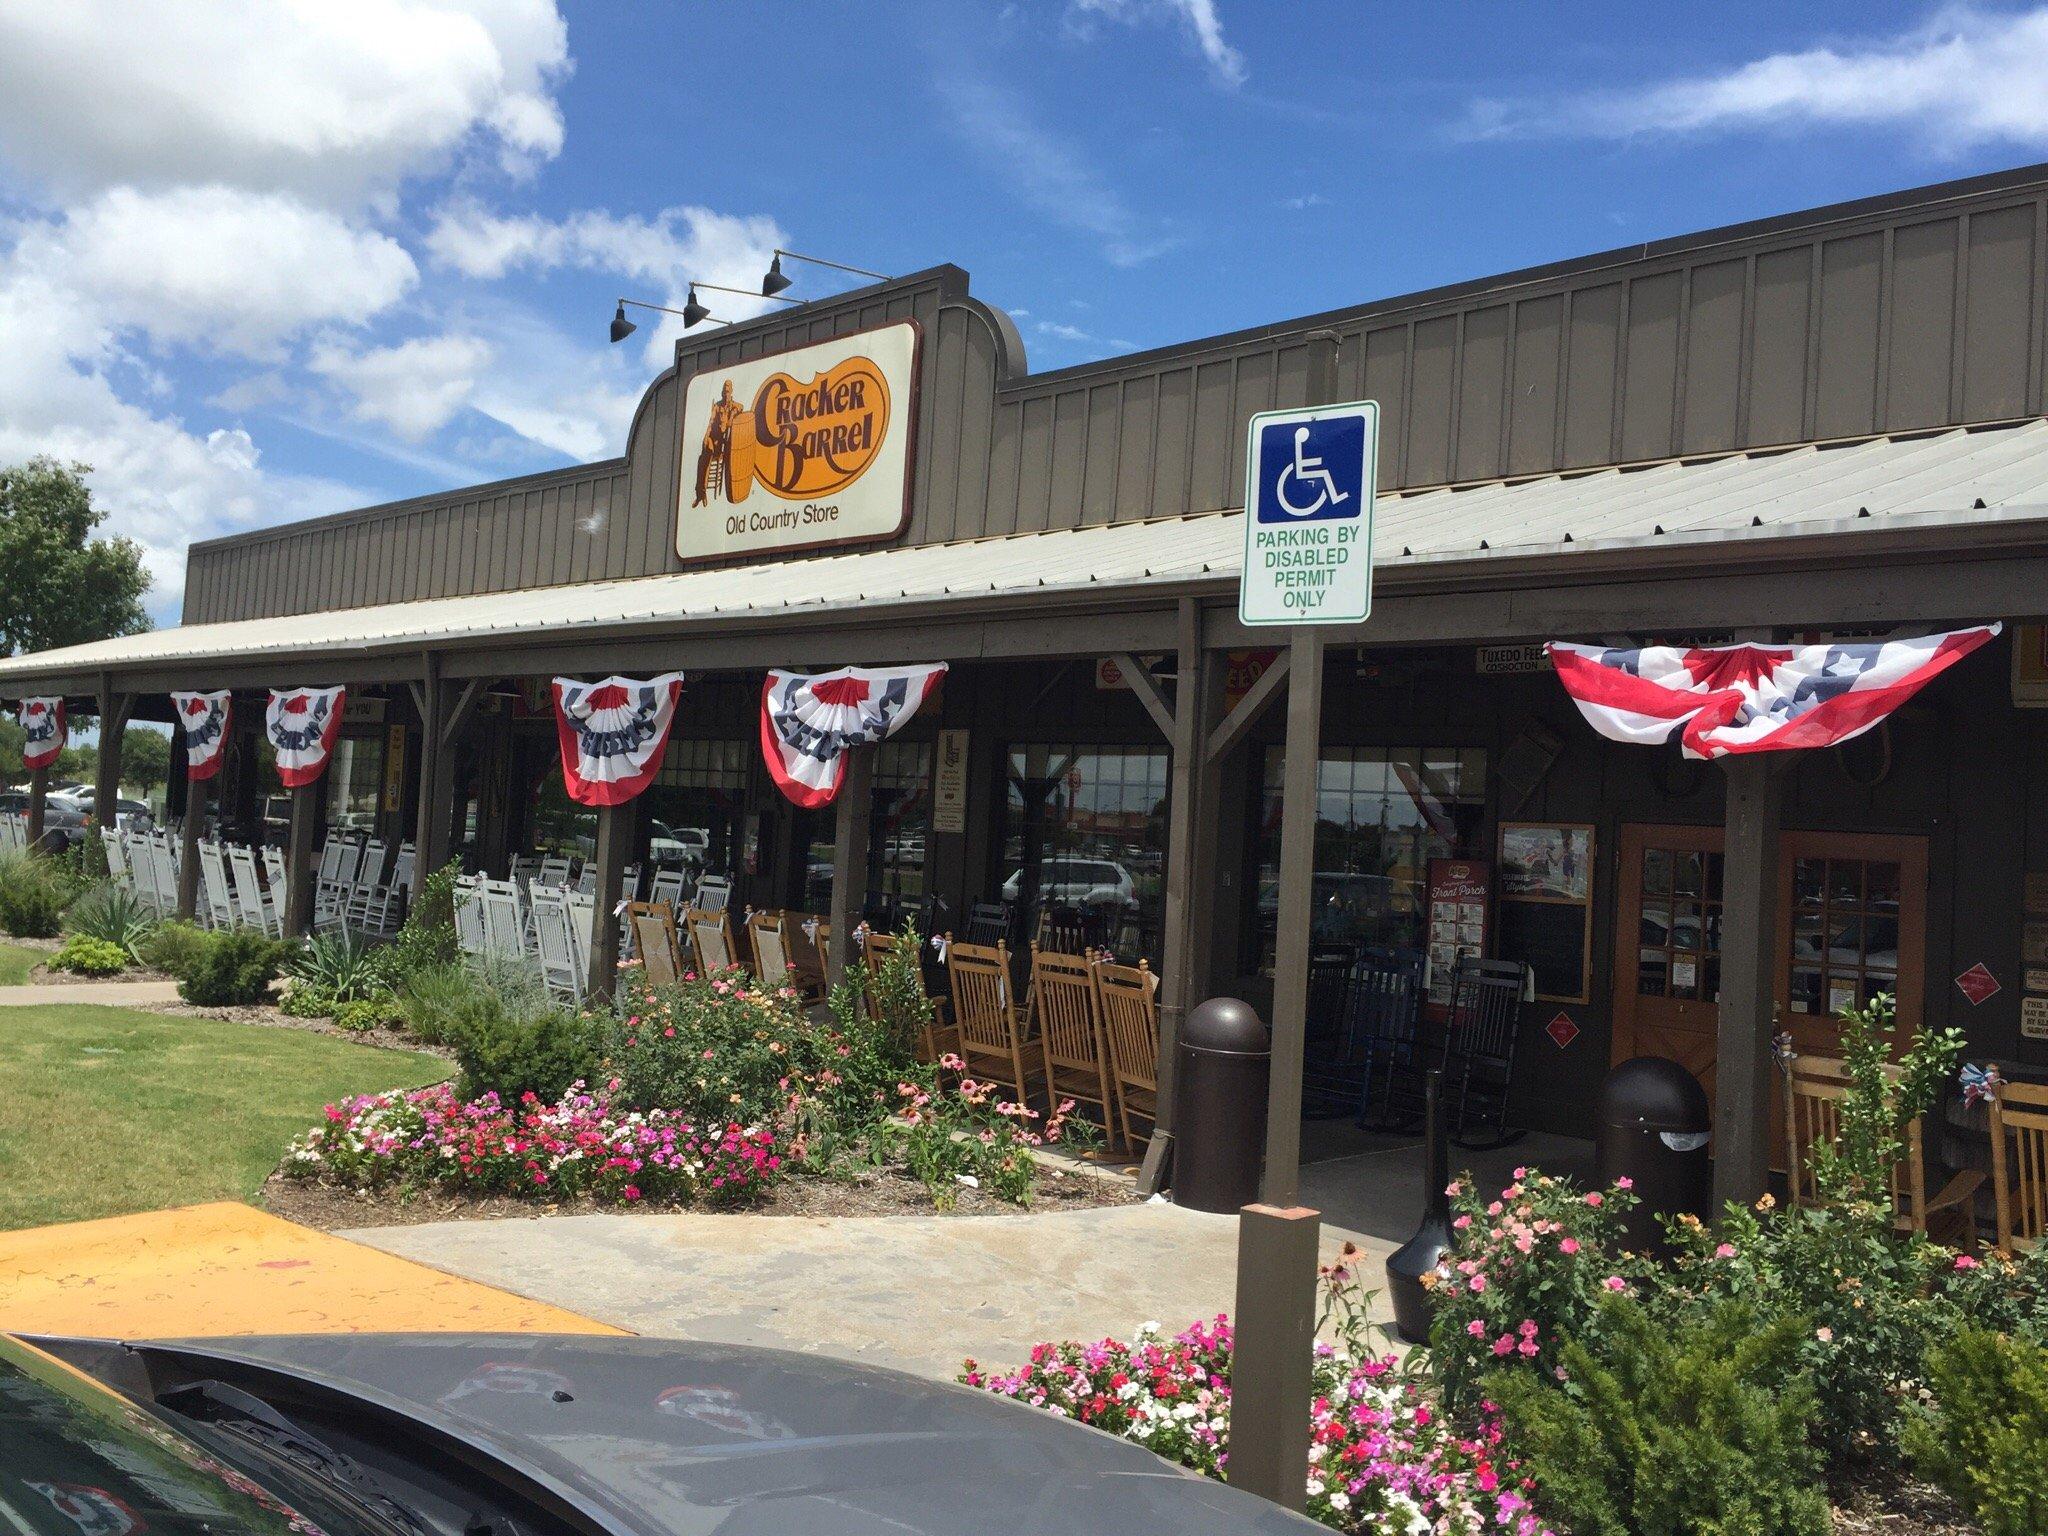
x=1667, y=948
x=1851, y=923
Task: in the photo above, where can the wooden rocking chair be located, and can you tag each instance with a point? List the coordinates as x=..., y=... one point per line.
x=1070, y=1031
x=2019, y=1173
x=653, y=927
x=985, y=1010
x=1814, y=1089
x=711, y=939
x=1130, y=1023
x=940, y=1036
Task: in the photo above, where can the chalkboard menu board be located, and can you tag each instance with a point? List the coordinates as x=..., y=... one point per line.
x=1545, y=915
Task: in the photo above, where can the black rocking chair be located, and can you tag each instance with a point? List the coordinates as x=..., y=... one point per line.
x=1330, y=1064
x=1479, y=1051
x=1386, y=1004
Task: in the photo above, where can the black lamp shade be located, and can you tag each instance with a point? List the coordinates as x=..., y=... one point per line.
x=774, y=282
x=621, y=326
x=692, y=310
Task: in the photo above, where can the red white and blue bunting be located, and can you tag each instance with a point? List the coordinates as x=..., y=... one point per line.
x=613, y=733
x=43, y=721
x=1723, y=699
x=204, y=718
x=808, y=722
x=302, y=724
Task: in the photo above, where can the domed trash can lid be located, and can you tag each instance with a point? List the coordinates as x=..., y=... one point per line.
x=1653, y=1093
x=1226, y=1026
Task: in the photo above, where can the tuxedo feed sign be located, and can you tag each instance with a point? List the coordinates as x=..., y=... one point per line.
x=799, y=449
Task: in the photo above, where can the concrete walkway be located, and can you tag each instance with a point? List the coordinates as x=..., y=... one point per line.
x=913, y=1292
x=111, y=994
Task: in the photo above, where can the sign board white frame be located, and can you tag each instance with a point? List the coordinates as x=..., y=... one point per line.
x=812, y=392
x=1280, y=557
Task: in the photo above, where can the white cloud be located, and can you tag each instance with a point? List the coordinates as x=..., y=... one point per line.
x=1304, y=201
x=330, y=100
x=218, y=268
x=1198, y=18
x=413, y=388
x=1048, y=173
x=1963, y=79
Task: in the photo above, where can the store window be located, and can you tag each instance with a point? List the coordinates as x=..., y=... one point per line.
x=561, y=827
x=1382, y=814
x=355, y=783
x=897, y=837
x=1845, y=933
x=1084, y=842
x=696, y=809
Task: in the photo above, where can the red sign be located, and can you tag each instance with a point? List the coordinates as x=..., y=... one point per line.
x=1562, y=1030
x=1977, y=983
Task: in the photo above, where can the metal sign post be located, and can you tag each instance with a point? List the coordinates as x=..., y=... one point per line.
x=1309, y=483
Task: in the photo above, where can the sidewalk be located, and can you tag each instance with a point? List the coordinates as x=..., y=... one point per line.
x=110, y=994
x=912, y=1292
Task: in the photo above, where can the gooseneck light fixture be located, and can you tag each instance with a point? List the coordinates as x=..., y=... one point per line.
x=692, y=311
x=774, y=281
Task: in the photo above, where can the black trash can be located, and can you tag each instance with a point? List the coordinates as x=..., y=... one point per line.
x=1653, y=1130
x=1219, y=1133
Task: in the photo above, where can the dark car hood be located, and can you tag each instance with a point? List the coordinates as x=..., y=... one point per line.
x=667, y=1438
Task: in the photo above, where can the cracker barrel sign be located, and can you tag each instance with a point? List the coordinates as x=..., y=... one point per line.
x=799, y=448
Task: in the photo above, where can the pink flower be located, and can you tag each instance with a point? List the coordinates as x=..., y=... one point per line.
x=1477, y=1328
x=1964, y=1261
x=1825, y=1335
x=1615, y=1283
x=1725, y=1251
x=1476, y=1284
x=1624, y=1183
x=1527, y=1349
x=1596, y=1199
x=1568, y=1245
x=1462, y=1223
x=1504, y=1345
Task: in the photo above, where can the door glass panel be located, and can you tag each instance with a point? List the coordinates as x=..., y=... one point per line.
x=1686, y=874
x=1809, y=879
x=1845, y=933
x=1653, y=967
x=1806, y=990
x=1656, y=871
x=1845, y=882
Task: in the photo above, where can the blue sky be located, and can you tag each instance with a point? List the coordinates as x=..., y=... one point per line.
x=266, y=258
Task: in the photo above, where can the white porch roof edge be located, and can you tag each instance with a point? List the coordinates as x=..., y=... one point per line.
x=1959, y=477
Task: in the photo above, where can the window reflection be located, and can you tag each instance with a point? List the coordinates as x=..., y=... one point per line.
x=1084, y=845
x=898, y=833
x=1382, y=814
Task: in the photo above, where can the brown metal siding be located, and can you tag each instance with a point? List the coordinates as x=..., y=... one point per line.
x=1923, y=310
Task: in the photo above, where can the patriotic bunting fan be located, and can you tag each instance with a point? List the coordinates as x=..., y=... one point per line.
x=612, y=734
x=808, y=722
x=302, y=724
x=1723, y=699
x=43, y=720
x=204, y=718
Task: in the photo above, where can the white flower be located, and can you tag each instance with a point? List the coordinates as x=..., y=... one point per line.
x=1340, y=1500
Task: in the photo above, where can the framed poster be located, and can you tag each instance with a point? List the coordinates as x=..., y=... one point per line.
x=1458, y=922
x=1545, y=917
x=799, y=449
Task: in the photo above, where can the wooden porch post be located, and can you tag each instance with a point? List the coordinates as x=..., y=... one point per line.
x=853, y=817
x=114, y=712
x=189, y=830
x=1190, y=868
x=301, y=861
x=1298, y=804
x=1748, y=1013
x=430, y=825
x=38, y=790
x=614, y=841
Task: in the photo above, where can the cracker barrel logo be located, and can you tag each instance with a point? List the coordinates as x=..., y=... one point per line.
x=798, y=437
x=797, y=449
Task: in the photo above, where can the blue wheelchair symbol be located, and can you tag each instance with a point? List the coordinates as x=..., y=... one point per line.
x=1311, y=470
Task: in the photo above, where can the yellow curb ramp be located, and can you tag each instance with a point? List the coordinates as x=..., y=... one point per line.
x=226, y=1269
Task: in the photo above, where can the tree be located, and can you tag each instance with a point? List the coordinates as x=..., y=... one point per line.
x=145, y=758
x=59, y=585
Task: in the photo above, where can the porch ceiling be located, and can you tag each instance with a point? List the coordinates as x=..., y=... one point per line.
x=1704, y=509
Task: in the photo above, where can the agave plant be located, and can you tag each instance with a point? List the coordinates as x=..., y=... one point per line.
x=342, y=965
x=115, y=916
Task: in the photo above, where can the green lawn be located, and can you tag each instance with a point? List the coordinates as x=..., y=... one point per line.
x=16, y=962
x=104, y=1111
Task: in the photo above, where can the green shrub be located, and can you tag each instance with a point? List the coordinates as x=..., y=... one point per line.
x=504, y=1052
x=308, y=1002
x=172, y=945
x=88, y=956
x=33, y=895
x=1693, y=1429
x=342, y=964
x=428, y=939
x=113, y=915
x=365, y=1013
x=1986, y=1439
x=433, y=999
x=231, y=968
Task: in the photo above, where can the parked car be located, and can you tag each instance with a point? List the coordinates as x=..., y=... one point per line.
x=1078, y=883
x=550, y=1435
x=129, y=815
x=685, y=848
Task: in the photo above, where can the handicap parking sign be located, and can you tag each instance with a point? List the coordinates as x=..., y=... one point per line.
x=1309, y=483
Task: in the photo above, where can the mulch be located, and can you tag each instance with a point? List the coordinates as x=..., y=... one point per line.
x=879, y=1193
x=1885, y=1501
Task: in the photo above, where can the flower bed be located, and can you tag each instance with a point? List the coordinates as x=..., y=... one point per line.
x=1382, y=1456
x=582, y=1145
